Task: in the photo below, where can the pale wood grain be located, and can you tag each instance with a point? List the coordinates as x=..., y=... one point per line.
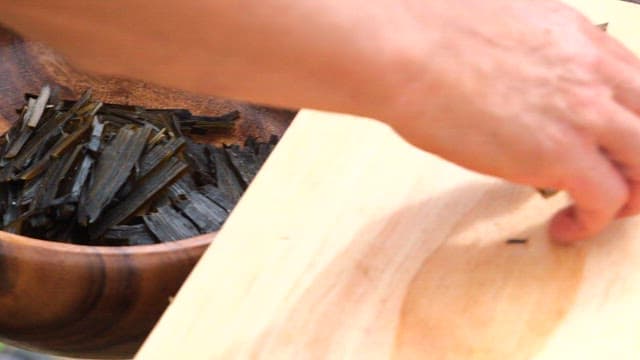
x=351, y=244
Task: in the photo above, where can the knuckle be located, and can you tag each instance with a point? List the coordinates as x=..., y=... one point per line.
x=582, y=100
x=586, y=111
x=549, y=151
x=591, y=59
x=598, y=191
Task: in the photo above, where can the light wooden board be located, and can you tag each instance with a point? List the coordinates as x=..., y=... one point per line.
x=350, y=244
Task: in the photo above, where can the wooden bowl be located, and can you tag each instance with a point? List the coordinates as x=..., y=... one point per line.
x=87, y=301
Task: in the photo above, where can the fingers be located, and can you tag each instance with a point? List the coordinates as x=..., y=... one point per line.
x=620, y=67
x=621, y=139
x=624, y=80
x=598, y=191
x=604, y=184
x=615, y=48
x=632, y=206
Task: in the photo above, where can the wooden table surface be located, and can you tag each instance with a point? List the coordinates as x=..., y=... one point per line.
x=351, y=244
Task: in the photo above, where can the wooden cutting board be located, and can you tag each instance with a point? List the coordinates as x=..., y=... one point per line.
x=351, y=244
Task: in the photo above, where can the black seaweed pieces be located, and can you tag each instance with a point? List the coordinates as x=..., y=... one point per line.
x=517, y=241
x=94, y=173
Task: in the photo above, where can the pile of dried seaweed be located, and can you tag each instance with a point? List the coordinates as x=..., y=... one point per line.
x=92, y=173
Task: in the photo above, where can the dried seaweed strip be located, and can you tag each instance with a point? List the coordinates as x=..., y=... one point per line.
x=112, y=170
x=216, y=195
x=206, y=214
x=9, y=137
x=6, y=173
x=3, y=200
x=137, y=234
x=50, y=130
x=27, y=111
x=117, y=121
x=273, y=140
x=66, y=188
x=146, y=188
x=251, y=142
x=122, y=110
x=181, y=114
x=169, y=225
x=72, y=139
x=162, y=120
x=159, y=153
x=176, y=126
x=127, y=187
x=158, y=137
x=96, y=135
x=18, y=144
x=15, y=227
x=263, y=150
x=54, y=99
x=81, y=177
x=65, y=211
x=181, y=187
x=202, y=124
x=53, y=177
x=50, y=175
x=89, y=110
x=226, y=178
x=130, y=116
x=216, y=121
x=60, y=105
x=32, y=161
x=196, y=156
x=41, y=160
x=12, y=204
x=43, y=150
x=61, y=118
x=134, y=109
x=77, y=105
x=160, y=199
x=520, y=241
x=30, y=190
x=38, y=109
x=245, y=162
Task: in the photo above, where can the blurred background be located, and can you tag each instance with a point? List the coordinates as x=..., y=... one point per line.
x=11, y=353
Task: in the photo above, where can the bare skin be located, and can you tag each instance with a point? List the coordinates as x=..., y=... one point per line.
x=526, y=90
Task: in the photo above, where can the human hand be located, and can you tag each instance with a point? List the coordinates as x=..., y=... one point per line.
x=526, y=90
x=532, y=92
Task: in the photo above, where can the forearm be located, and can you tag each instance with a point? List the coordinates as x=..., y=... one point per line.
x=526, y=90
x=321, y=54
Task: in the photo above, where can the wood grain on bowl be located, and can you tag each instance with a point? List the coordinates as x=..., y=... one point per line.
x=88, y=301
x=95, y=301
